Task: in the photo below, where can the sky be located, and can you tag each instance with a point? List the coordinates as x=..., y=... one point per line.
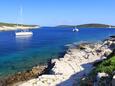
x=58, y=12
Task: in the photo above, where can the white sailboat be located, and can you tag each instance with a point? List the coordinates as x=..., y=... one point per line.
x=75, y=29
x=22, y=32
x=110, y=26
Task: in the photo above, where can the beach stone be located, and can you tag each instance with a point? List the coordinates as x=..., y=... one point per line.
x=113, y=81
x=100, y=75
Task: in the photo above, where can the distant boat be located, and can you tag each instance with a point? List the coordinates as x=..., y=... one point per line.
x=22, y=32
x=75, y=29
x=110, y=26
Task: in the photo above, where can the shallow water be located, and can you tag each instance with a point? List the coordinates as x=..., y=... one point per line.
x=22, y=53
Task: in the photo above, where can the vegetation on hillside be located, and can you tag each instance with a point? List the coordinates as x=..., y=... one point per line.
x=92, y=25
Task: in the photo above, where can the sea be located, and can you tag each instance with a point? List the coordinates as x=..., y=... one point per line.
x=19, y=53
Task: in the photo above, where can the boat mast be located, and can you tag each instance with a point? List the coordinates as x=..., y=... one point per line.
x=21, y=19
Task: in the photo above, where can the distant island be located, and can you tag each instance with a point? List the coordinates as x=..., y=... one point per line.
x=92, y=25
x=13, y=26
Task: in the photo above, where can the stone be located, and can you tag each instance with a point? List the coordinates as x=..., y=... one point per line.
x=113, y=81
x=100, y=75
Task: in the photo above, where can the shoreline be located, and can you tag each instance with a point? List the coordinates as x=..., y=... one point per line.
x=77, y=62
x=23, y=76
x=8, y=28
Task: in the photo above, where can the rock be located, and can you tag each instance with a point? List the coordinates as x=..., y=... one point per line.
x=113, y=73
x=113, y=36
x=22, y=76
x=35, y=70
x=100, y=75
x=112, y=46
x=82, y=47
x=2, y=83
x=113, y=81
x=107, y=52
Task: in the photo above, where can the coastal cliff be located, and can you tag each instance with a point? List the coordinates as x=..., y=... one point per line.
x=77, y=63
x=11, y=26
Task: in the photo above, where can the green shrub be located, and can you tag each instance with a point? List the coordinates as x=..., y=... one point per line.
x=107, y=66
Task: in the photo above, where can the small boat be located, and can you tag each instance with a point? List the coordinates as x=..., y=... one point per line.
x=110, y=26
x=23, y=32
x=75, y=29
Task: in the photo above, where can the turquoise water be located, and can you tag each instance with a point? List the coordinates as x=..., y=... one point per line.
x=22, y=53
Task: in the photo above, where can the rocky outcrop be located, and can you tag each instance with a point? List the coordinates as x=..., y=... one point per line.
x=76, y=63
x=23, y=76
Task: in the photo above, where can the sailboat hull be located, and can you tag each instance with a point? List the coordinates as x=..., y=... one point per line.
x=23, y=33
x=75, y=30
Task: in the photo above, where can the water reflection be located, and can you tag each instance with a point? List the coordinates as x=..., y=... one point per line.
x=23, y=42
x=23, y=37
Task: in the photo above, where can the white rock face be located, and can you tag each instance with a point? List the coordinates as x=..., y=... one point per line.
x=75, y=64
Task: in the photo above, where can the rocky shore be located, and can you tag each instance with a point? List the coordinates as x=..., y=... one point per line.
x=75, y=64
x=20, y=77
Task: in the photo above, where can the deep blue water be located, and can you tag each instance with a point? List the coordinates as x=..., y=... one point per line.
x=22, y=53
